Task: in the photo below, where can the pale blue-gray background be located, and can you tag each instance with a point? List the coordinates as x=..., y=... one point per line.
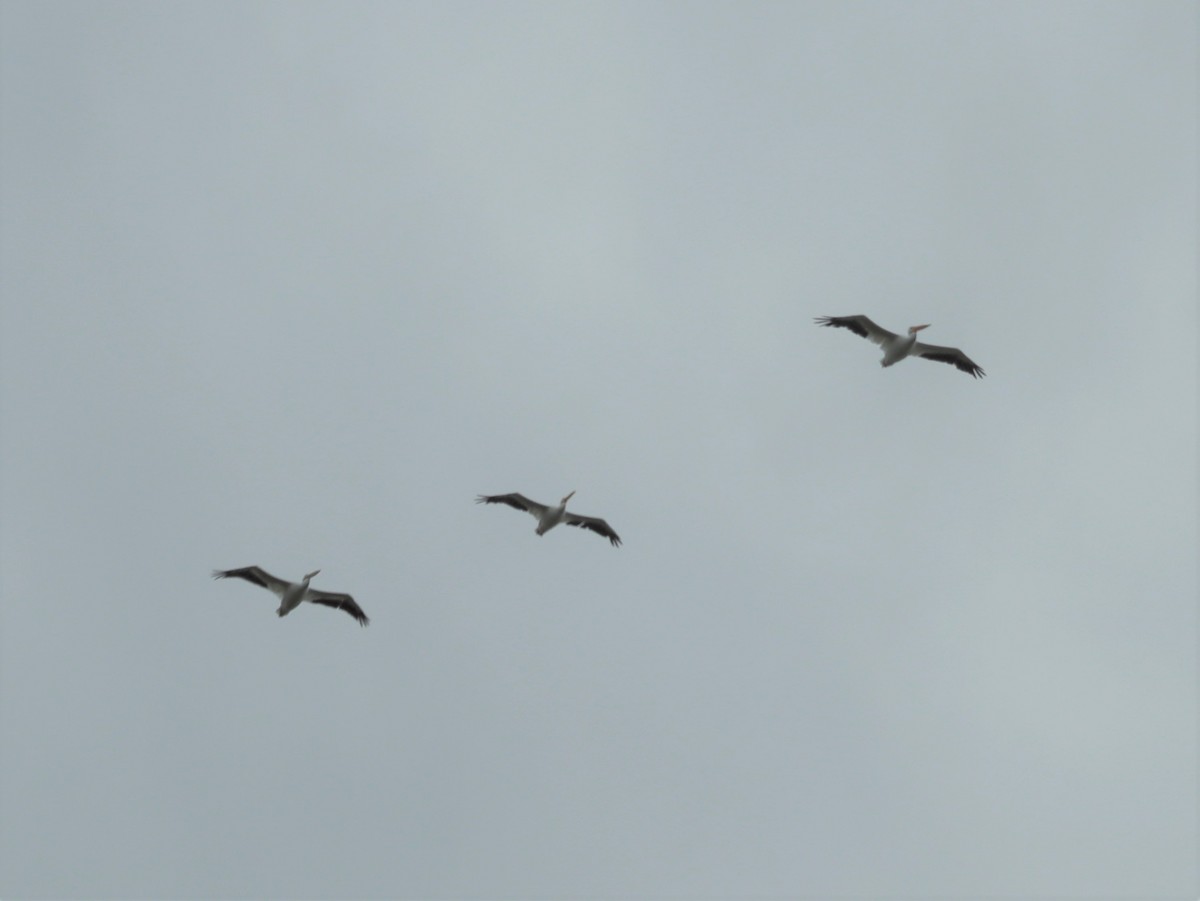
x=290, y=283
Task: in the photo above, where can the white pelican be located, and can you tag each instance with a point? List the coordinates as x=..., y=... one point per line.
x=292, y=594
x=897, y=347
x=549, y=517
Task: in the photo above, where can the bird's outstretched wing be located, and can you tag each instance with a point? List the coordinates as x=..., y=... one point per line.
x=951, y=355
x=595, y=524
x=341, y=602
x=255, y=575
x=860, y=325
x=516, y=501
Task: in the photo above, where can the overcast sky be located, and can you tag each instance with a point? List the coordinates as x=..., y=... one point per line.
x=288, y=284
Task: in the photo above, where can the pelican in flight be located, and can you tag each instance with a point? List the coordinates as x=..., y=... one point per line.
x=292, y=594
x=897, y=347
x=549, y=517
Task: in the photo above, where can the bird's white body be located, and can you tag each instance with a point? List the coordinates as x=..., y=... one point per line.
x=294, y=594
x=897, y=348
x=552, y=516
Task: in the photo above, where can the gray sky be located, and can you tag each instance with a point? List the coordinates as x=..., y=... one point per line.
x=288, y=284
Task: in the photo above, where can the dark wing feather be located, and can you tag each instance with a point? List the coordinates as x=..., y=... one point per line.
x=595, y=524
x=951, y=355
x=254, y=574
x=860, y=325
x=341, y=602
x=514, y=500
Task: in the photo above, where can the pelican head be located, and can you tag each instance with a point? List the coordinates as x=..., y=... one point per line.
x=567, y=498
x=311, y=574
x=913, y=329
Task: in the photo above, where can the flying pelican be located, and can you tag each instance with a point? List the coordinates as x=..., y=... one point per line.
x=897, y=347
x=549, y=517
x=292, y=594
